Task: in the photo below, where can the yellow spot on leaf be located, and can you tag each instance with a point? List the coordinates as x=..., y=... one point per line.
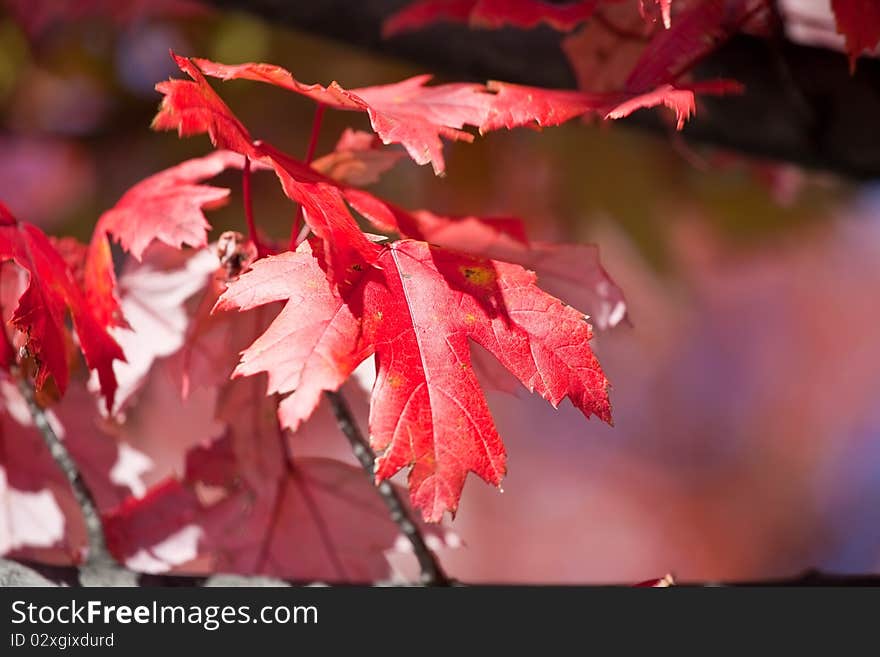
x=478, y=275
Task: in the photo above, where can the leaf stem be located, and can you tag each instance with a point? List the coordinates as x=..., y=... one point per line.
x=432, y=572
x=316, y=132
x=296, y=233
x=249, y=207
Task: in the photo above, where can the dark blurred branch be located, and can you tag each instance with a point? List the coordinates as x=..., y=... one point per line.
x=801, y=104
x=99, y=568
x=22, y=573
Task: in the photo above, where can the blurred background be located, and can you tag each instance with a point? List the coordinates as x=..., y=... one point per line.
x=746, y=442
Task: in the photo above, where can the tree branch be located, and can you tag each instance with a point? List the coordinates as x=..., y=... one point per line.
x=99, y=568
x=432, y=572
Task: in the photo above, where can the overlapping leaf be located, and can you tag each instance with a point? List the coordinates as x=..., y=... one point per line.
x=572, y=272
x=417, y=307
x=358, y=159
x=238, y=503
x=653, y=81
x=41, y=312
x=167, y=207
x=407, y=112
x=192, y=107
x=417, y=312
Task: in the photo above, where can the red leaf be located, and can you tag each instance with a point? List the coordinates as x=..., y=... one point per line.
x=239, y=503
x=427, y=409
x=859, y=22
x=422, y=13
x=169, y=205
x=166, y=207
x=407, y=112
x=680, y=101
x=358, y=159
x=193, y=107
x=324, y=209
x=491, y=14
x=321, y=521
x=304, y=351
x=417, y=313
x=519, y=105
x=40, y=314
x=697, y=32
x=154, y=295
x=571, y=272
x=602, y=53
x=34, y=497
x=655, y=78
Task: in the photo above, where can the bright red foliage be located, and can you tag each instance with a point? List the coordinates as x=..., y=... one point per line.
x=348, y=298
x=654, y=79
x=166, y=207
x=434, y=299
x=241, y=506
x=416, y=312
x=237, y=501
x=51, y=292
x=407, y=112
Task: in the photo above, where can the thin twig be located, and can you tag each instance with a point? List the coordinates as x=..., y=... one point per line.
x=432, y=572
x=98, y=557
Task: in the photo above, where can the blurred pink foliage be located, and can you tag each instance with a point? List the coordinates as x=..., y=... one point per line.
x=740, y=381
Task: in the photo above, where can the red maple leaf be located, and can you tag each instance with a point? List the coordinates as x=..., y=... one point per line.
x=154, y=298
x=571, y=272
x=701, y=29
x=417, y=312
x=347, y=298
x=239, y=501
x=305, y=352
x=655, y=78
x=240, y=506
x=192, y=107
x=406, y=112
x=167, y=207
x=358, y=159
x=859, y=22
x=52, y=291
